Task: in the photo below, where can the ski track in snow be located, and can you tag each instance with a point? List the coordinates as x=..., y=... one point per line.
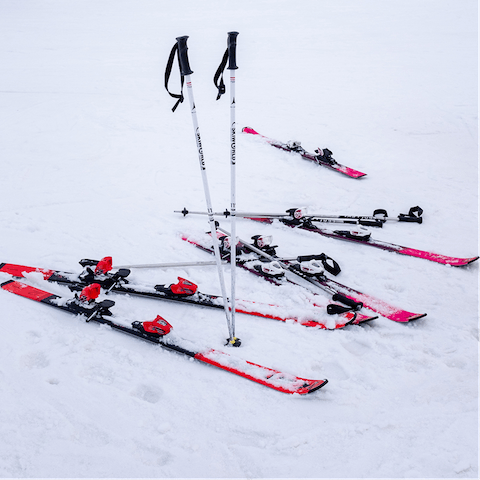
x=94, y=163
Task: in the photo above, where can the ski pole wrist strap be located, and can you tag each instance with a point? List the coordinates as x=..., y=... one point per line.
x=168, y=71
x=218, y=77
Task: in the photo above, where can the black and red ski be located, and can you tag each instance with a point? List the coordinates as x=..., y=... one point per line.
x=322, y=157
x=158, y=331
x=184, y=291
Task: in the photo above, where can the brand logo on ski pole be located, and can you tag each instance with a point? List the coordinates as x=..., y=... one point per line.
x=200, y=149
x=233, y=144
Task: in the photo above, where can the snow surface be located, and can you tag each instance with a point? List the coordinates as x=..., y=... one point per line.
x=94, y=163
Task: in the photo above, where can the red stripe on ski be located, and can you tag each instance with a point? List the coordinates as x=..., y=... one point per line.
x=390, y=247
x=20, y=270
x=26, y=291
x=349, y=317
x=283, y=382
x=436, y=257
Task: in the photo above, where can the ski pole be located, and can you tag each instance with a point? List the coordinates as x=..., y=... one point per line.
x=379, y=216
x=169, y=265
x=185, y=72
x=232, y=66
x=230, y=55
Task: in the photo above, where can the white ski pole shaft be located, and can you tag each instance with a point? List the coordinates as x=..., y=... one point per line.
x=186, y=71
x=168, y=265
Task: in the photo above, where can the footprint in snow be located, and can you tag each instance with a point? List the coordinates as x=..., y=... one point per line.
x=148, y=393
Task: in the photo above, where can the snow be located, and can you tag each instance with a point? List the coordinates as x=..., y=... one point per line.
x=94, y=163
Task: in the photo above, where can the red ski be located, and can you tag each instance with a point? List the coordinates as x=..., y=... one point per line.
x=158, y=331
x=323, y=157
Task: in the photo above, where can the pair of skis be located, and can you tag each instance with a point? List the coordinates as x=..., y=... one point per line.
x=90, y=282
x=298, y=218
x=184, y=291
x=322, y=156
x=260, y=258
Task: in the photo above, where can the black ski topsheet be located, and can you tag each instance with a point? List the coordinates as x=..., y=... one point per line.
x=100, y=313
x=315, y=317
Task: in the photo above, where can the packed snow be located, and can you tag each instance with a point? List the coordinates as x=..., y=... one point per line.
x=94, y=163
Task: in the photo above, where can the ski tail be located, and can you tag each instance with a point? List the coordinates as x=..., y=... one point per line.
x=275, y=379
x=251, y=131
x=29, y=292
x=21, y=270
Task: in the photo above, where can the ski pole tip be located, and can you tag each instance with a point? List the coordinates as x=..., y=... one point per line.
x=233, y=342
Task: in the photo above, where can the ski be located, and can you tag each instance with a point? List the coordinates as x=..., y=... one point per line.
x=322, y=157
x=302, y=267
x=362, y=236
x=158, y=331
x=184, y=291
x=277, y=276
x=296, y=218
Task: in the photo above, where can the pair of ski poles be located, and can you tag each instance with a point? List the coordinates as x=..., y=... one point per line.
x=180, y=48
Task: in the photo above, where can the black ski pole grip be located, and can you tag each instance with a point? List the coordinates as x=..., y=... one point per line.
x=338, y=297
x=183, y=56
x=370, y=223
x=407, y=218
x=307, y=258
x=232, y=50
x=334, y=309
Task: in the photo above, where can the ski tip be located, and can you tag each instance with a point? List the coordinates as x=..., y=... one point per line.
x=364, y=319
x=462, y=262
x=416, y=316
x=313, y=387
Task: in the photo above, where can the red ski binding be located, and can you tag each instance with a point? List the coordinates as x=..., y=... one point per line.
x=184, y=287
x=90, y=293
x=159, y=326
x=103, y=266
